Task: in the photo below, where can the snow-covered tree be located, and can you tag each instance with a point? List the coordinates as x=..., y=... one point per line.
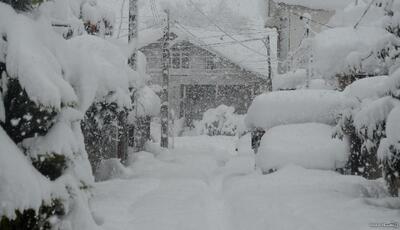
x=47, y=84
x=373, y=150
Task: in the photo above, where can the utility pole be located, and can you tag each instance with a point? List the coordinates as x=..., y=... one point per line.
x=267, y=43
x=165, y=83
x=123, y=126
x=310, y=71
x=133, y=31
x=135, y=134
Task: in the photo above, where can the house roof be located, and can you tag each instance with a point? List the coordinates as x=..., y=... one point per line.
x=247, y=51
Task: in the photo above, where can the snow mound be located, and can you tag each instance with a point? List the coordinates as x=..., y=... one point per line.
x=298, y=198
x=300, y=106
x=110, y=169
x=22, y=187
x=371, y=87
x=309, y=145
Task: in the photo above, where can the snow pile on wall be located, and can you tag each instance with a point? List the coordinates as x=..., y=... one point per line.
x=300, y=106
x=309, y=145
x=220, y=121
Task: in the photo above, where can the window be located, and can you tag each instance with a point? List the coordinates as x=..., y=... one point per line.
x=210, y=63
x=180, y=60
x=176, y=60
x=185, y=60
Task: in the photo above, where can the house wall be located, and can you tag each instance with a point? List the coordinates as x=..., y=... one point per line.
x=291, y=29
x=224, y=73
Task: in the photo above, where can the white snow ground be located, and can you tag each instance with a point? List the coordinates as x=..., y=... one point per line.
x=203, y=184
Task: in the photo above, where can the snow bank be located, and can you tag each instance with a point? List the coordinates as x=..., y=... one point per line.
x=370, y=87
x=110, y=169
x=300, y=106
x=298, y=198
x=309, y=145
x=21, y=186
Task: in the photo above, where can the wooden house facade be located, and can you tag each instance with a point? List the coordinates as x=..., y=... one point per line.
x=201, y=78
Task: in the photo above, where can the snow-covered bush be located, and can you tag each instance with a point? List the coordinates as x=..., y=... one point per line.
x=353, y=49
x=367, y=126
x=294, y=107
x=309, y=145
x=220, y=121
x=389, y=152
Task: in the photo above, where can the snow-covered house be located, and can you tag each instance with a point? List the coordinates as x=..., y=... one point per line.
x=295, y=20
x=207, y=69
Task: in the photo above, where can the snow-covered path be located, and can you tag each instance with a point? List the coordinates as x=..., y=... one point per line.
x=204, y=185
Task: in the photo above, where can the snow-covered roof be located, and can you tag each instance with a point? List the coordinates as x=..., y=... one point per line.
x=294, y=107
x=318, y=4
x=247, y=51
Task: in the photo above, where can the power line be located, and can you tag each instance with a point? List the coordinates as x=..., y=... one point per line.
x=216, y=25
x=365, y=13
x=214, y=51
